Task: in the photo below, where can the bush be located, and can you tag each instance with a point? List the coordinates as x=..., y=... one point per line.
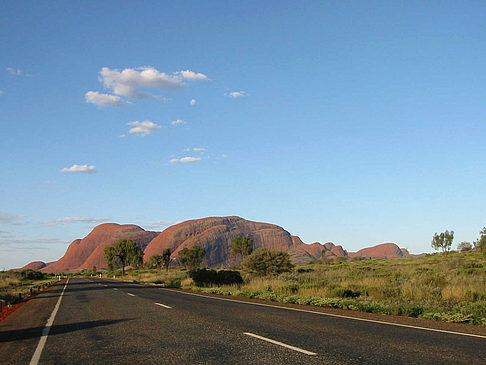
x=263, y=262
x=205, y=277
x=32, y=275
x=345, y=293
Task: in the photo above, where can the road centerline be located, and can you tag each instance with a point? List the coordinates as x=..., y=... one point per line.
x=47, y=328
x=280, y=344
x=163, y=305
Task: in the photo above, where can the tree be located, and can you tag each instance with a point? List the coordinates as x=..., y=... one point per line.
x=156, y=261
x=443, y=241
x=191, y=258
x=166, y=258
x=242, y=246
x=263, y=262
x=464, y=246
x=122, y=253
x=480, y=243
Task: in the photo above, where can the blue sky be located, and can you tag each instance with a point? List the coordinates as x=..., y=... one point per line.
x=352, y=122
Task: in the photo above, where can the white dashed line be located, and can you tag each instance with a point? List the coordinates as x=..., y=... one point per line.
x=281, y=344
x=132, y=295
x=163, y=305
x=115, y=288
x=330, y=314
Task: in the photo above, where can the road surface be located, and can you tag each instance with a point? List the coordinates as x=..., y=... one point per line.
x=100, y=321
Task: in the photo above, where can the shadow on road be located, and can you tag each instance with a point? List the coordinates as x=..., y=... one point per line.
x=15, y=335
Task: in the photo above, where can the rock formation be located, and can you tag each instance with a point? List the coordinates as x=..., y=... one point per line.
x=382, y=251
x=88, y=252
x=215, y=235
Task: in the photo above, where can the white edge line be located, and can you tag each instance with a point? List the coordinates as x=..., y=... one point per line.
x=331, y=315
x=132, y=295
x=280, y=344
x=45, y=332
x=163, y=305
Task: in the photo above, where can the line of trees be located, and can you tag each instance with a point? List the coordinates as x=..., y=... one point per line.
x=443, y=241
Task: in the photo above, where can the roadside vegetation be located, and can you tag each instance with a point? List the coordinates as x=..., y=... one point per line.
x=17, y=285
x=448, y=286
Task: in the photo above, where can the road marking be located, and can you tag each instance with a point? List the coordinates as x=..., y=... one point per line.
x=47, y=328
x=163, y=305
x=281, y=344
x=331, y=315
x=132, y=295
x=115, y=288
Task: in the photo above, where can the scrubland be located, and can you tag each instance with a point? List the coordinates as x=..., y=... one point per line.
x=448, y=287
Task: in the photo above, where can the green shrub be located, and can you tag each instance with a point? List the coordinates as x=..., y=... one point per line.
x=205, y=277
x=345, y=293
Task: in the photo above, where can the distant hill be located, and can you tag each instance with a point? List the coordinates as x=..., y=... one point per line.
x=88, y=252
x=383, y=251
x=214, y=234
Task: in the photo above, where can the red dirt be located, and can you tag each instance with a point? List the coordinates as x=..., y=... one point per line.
x=8, y=310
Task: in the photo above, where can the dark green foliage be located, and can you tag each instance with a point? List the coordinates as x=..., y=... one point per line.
x=443, y=241
x=122, y=253
x=242, y=246
x=166, y=258
x=155, y=261
x=206, y=277
x=191, y=258
x=345, y=293
x=32, y=275
x=263, y=262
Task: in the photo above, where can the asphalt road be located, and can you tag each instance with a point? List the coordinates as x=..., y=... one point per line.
x=100, y=321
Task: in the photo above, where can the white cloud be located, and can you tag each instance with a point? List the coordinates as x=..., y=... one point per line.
x=158, y=224
x=190, y=75
x=193, y=102
x=224, y=156
x=28, y=243
x=195, y=149
x=177, y=122
x=79, y=168
x=236, y=94
x=11, y=220
x=128, y=81
x=2, y=92
x=185, y=159
x=68, y=220
x=102, y=100
x=14, y=71
x=143, y=128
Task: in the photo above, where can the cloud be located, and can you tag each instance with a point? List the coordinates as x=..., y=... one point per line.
x=143, y=128
x=79, y=168
x=177, y=122
x=102, y=100
x=236, y=94
x=14, y=71
x=20, y=243
x=69, y=220
x=128, y=81
x=190, y=75
x=158, y=224
x=185, y=159
x=193, y=102
x=2, y=92
x=196, y=149
x=11, y=220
